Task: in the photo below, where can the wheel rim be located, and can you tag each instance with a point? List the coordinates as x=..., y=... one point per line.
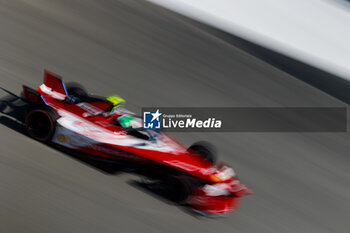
x=39, y=125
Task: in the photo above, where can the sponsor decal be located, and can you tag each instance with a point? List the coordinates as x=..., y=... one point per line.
x=54, y=94
x=190, y=168
x=89, y=108
x=62, y=138
x=115, y=152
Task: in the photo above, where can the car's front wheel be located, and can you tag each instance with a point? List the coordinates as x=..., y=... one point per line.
x=205, y=150
x=177, y=188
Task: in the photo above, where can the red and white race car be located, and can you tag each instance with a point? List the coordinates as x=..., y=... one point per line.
x=69, y=117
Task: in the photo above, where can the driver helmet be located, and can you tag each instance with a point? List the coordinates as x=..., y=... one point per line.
x=117, y=101
x=126, y=121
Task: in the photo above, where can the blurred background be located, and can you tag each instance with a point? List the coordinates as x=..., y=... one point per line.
x=152, y=56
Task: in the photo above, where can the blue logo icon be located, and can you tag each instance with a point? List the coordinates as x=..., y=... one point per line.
x=151, y=120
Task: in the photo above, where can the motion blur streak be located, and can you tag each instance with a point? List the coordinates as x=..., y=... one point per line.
x=152, y=57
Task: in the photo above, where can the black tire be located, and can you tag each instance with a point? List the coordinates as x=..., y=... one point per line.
x=76, y=90
x=205, y=150
x=177, y=188
x=41, y=123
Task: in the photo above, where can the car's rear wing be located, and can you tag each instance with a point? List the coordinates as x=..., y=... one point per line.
x=53, y=86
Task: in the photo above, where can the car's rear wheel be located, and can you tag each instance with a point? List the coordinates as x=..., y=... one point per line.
x=41, y=123
x=206, y=150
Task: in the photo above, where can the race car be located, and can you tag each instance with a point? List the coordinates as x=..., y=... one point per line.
x=69, y=117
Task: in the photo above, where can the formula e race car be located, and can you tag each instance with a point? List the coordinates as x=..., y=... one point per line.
x=69, y=117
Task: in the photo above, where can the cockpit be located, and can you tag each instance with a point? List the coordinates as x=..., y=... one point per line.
x=133, y=126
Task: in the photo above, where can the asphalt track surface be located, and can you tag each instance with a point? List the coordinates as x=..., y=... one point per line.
x=152, y=57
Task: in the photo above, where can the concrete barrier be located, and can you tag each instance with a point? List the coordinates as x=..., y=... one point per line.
x=316, y=32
